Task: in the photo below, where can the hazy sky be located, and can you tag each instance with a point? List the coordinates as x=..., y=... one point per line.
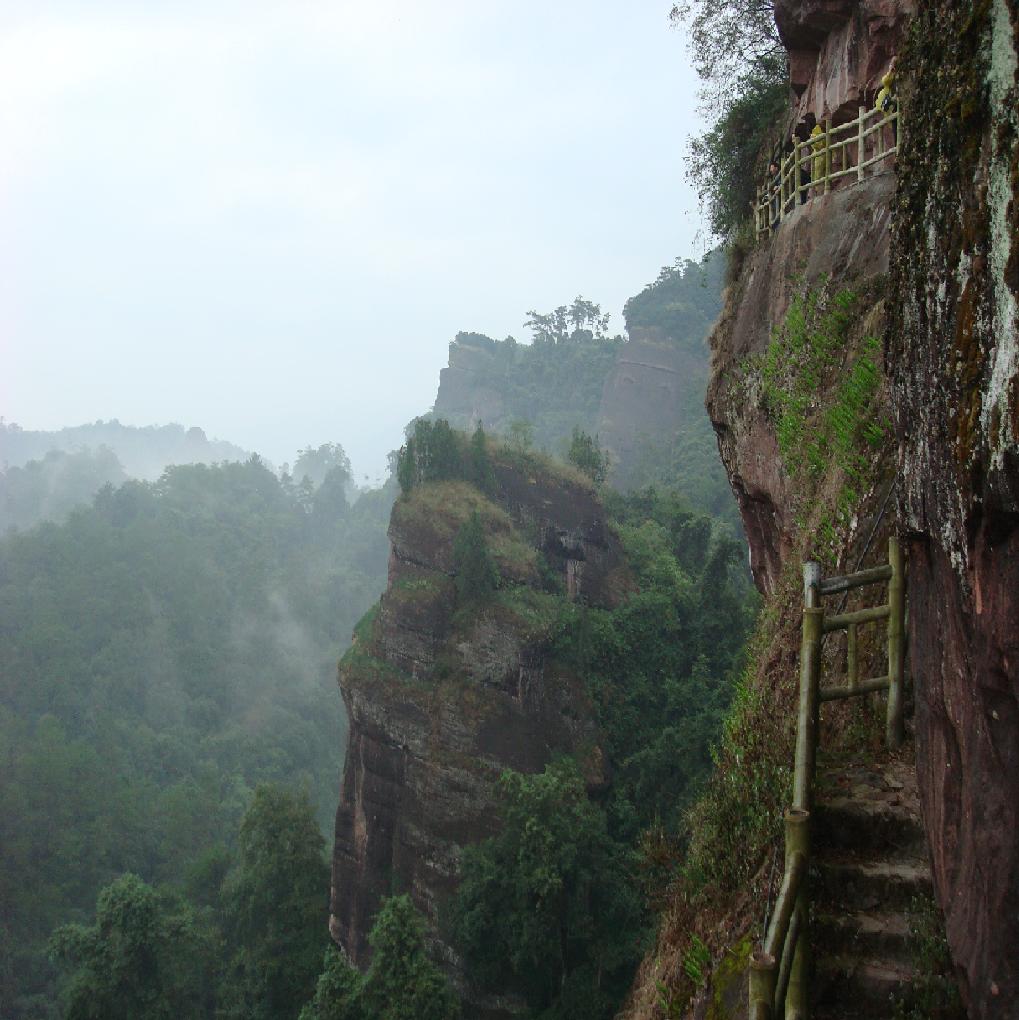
x=269, y=219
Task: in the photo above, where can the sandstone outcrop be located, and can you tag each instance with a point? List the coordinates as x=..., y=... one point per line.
x=954, y=358
x=838, y=52
x=468, y=386
x=441, y=702
x=950, y=257
x=653, y=392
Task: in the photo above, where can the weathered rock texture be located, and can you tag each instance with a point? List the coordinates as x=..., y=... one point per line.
x=838, y=52
x=954, y=353
x=440, y=704
x=468, y=390
x=840, y=238
x=654, y=392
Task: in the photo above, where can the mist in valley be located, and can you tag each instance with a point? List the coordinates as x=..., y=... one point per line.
x=245, y=239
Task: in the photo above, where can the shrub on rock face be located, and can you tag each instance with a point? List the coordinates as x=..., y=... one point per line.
x=476, y=574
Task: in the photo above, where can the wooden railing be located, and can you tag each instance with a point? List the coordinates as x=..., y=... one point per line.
x=815, y=165
x=779, y=970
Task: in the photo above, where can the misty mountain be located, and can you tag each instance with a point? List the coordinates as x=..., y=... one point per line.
x=144, y=452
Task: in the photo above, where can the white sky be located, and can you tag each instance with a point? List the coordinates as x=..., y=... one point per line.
x=269, y=219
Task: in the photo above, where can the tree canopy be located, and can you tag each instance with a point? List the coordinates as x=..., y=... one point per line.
x=740, y=60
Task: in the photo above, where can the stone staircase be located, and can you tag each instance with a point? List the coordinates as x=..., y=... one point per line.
x=870, y=871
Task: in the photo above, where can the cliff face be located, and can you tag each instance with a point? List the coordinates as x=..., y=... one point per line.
x=934, y=250
x=642, y=397
x=838, y=241
x=440, y=702
x=838, y=51
x=954, y=357
x=654, y=386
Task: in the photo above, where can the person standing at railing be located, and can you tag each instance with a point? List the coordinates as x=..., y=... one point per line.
x=887, y=102
x=806, y=174
x=817, y=143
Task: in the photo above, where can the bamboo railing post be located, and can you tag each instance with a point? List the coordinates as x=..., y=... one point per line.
x=852, y=657
x=810, y=679
x=811, y=583
x=896, y=629
x=797, y=841
x=827, y=155
x=797, y=997
x=859, y=143
x=762, y=985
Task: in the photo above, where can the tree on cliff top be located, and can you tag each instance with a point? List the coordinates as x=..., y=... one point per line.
x=580, y=321
x=433, y=452
x=586, y=455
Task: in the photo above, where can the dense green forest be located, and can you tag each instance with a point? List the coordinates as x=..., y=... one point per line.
x=164, y=651
x=172, y=734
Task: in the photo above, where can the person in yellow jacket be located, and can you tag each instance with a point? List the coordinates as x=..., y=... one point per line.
x=817, y=169
x=886, y=100
x=885, y=103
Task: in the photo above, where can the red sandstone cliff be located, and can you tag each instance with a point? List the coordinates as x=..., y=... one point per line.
x=954, y=359
x=440, y=704
x=936, y=247
x=932, y=253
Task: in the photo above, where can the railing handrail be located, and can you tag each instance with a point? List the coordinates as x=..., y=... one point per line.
x=779, y=969
x=778, y=197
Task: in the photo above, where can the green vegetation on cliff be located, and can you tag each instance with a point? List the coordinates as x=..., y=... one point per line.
x=740, y=59
x=553, y=908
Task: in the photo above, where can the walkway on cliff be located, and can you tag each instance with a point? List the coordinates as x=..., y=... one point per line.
x=872, y=892
x=844, y=152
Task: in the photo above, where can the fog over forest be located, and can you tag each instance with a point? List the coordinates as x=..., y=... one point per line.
x=269, y=271
x=277, y=245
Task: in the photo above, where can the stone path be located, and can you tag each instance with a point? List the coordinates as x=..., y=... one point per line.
x=870, y=866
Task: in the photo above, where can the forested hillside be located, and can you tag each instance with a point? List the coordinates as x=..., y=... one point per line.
x=162, y=652
x=44, y=475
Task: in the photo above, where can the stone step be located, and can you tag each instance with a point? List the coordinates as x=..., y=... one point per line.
x=880, y=936
x=873, y=987
x=882, y=827
x=850, y=883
